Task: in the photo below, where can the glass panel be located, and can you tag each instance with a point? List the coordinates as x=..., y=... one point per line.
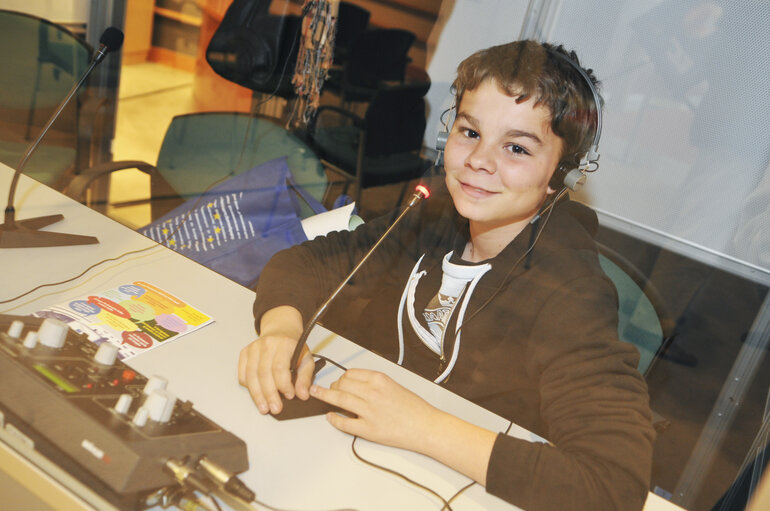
x=682, y=193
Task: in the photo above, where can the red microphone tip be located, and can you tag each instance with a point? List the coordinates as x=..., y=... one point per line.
x=422, y=189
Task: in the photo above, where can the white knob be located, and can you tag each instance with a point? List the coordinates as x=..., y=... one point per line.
x=15, y=329
x=30, y=340
x=160, y=404
x=53, y=333
x=140, y=418
x=106, y=353
x=124, y=403
x=154, y=383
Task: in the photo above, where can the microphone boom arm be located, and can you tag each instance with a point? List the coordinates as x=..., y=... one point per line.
x=420, y=193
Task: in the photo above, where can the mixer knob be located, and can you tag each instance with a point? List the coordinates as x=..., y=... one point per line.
x=30, y=340
x=155, y=382
x=53, y=333
x=140, y=418
x=106, y=353
x=15, y=329
x=124, y=403
x=160, y=405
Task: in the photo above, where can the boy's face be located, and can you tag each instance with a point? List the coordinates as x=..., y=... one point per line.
x=499, y=158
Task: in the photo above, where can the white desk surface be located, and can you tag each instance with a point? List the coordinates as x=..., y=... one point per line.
x=299, y=464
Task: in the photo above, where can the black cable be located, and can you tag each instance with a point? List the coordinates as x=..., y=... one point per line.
x=398, y=474
x=98, y=263
x=462, y=490
x=504, y=280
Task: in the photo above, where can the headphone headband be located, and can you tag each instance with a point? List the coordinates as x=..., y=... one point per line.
x=574, y=178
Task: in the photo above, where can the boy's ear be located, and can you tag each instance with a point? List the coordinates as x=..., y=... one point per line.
x=557, y=179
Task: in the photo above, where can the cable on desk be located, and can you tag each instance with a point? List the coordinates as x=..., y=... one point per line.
x=98, y=263
x=461, y=490
x=447, y=503
x=399, y=474
x=124, y=254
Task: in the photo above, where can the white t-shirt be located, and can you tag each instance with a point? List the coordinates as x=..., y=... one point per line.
x=442, y=306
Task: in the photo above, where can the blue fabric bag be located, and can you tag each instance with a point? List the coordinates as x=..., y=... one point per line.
x=237, y=226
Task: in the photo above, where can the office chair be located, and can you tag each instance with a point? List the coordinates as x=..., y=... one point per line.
x=352, y=21
x=40, y=62
x=376, y=57
x=642, y=317
x=381, y=148
x=201, y=150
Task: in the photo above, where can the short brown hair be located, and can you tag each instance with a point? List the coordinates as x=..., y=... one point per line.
x=525, y=69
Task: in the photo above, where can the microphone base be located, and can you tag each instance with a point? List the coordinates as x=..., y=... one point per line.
x=299, y=409
x=26, y=234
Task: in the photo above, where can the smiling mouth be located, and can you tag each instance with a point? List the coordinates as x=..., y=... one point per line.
x=475, y=191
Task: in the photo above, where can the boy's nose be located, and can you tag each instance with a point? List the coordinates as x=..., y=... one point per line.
x=480, y=159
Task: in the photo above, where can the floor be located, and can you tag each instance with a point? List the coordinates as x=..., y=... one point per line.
x=150, y=95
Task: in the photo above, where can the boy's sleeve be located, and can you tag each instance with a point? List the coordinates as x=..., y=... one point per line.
x=596, y=408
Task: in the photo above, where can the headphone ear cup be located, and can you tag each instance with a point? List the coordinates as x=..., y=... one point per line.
x=574, y=179
x=441, y=139
x=571, y=178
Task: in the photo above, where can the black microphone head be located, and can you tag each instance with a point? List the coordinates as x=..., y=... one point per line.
x=111, y=39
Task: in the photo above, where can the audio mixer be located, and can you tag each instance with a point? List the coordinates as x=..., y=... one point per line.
x=88, y=412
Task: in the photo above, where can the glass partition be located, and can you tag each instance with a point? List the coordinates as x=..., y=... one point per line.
x=224, y=145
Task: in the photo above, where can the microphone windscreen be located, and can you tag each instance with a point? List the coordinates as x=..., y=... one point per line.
x=112, y=39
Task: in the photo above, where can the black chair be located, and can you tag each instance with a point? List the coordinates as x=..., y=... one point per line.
x=352, y=21
x=257, y=51
x=381, y=148
x=40, y=63
x=376, y=57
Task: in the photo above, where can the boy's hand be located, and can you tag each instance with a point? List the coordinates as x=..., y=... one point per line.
x=263, y=365
x=387, y=413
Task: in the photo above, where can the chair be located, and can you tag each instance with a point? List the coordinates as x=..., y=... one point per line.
x=381, y=148
x=201, y=150
x=377, y=56
x=40, y=63
x=352, y=21
x=642, y=317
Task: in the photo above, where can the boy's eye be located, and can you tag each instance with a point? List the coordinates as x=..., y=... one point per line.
x=469, y=133
x=516, y=149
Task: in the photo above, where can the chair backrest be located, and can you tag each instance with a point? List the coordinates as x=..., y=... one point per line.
x=203, y=149
x=40, y=63
x=395, y=120
x=379, y=55
x=642, y=321
x=352, y=21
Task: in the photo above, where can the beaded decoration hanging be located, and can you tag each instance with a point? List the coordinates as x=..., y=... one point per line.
x=316, y=52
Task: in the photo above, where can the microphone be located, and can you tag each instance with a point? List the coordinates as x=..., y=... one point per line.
x=111, y=40
x=297, y=408
x=26, y=233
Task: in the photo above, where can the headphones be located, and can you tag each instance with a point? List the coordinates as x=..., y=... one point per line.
x=572, y=178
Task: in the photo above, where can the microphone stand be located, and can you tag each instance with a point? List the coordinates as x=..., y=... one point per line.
x=25, y=233
x=296, y=408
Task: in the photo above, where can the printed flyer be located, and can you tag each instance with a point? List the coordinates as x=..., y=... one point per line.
x=136, y=317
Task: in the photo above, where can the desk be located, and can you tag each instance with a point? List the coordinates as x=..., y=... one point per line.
x=300, y=464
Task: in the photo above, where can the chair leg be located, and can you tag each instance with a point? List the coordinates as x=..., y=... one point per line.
x=360, y=167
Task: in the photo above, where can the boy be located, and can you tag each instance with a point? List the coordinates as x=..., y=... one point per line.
x=510, y=312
